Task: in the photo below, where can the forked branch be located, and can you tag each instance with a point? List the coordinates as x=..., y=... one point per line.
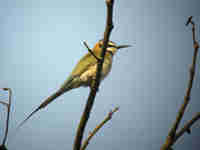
x=98, y=127
x=91, y=52
x=172, y=135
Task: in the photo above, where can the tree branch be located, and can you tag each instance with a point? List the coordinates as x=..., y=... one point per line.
x=4, y=103
x=187, y=127
x=8, y=115
x=99, y=126
x=94, y=88
x=172, y=133
x=91, y=52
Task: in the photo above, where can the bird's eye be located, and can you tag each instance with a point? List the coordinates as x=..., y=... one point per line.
x=109, y=45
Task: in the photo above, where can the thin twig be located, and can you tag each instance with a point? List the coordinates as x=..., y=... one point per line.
x=94, y=88
x=187, y=127
x=91, y=52
x=99, y=126
x=172, y=133
x=4, y=103
x=8, y=114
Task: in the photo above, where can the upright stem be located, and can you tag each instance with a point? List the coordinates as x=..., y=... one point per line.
x=94, y=88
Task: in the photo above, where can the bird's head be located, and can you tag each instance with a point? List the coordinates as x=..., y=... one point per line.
x=112, y=47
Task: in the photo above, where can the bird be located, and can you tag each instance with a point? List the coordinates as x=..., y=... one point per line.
x=84, y=72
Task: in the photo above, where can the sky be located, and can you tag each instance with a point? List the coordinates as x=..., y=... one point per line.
x=41, y=42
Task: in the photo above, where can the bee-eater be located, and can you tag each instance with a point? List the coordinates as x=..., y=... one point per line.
x=84, y=72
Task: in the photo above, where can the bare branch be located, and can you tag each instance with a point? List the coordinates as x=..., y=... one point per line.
x=4, y=103
x=95, y=86
x=99, y=126
x=172, y=133
x=187, y=127
x=189, y=20
x=8, y=114
x=91, y=52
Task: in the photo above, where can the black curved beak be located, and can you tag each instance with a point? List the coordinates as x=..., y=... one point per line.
x=123, y=46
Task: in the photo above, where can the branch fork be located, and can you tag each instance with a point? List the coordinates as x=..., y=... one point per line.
x=173, y=135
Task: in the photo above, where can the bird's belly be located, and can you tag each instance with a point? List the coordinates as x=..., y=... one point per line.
x=90, y=74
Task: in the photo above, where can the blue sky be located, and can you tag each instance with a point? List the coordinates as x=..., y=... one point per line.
x=41, y=42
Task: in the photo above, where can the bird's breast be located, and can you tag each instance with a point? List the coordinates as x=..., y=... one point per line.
x=90, y=73
x=106, y=68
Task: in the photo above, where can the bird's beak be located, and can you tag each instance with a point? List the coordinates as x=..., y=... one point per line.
x=123, y=46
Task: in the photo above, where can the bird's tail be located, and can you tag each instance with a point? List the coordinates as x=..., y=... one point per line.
x=43, y=104
x=66, y=87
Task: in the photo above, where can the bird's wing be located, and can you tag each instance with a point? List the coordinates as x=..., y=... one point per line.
x=84, y=63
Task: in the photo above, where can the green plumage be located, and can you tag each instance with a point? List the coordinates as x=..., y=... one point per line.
x=83, y=64
x=83, y=73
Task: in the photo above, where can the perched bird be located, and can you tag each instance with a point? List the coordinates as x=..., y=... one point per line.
x=84, y=72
